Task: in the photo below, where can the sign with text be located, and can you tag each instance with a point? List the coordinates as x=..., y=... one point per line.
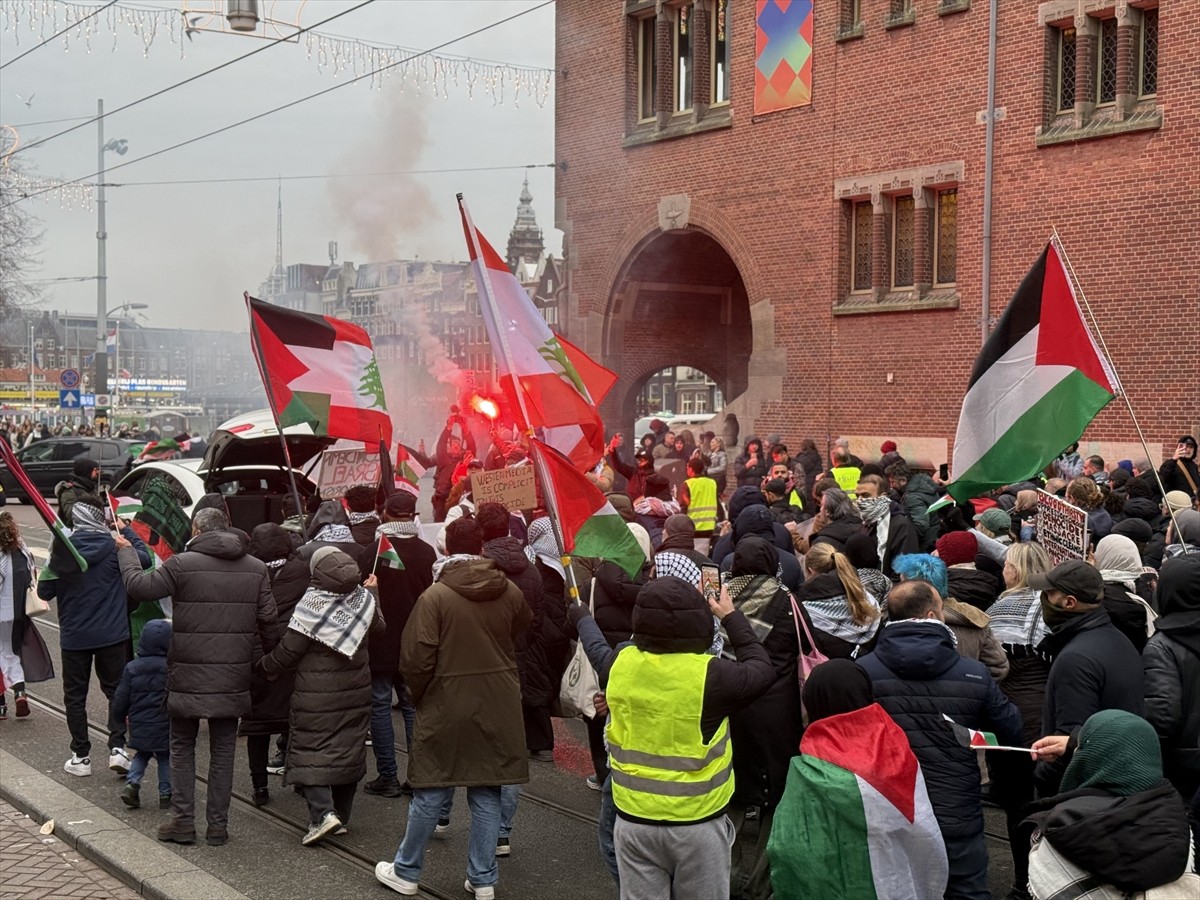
x=513, y=488
x=1061, y=528
x=342, y=469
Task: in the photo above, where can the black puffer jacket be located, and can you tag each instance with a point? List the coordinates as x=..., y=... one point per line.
x=615, y=595
x=509, y=554
x=142, y=693
x=1127, y=614
x=973, y=587
x=398, y=593
x=919, y=678
x=223, y=618
x=556, y=637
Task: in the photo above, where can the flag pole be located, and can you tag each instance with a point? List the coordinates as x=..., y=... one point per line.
x=287, y=455
x=1058, y=246
x=485, y=293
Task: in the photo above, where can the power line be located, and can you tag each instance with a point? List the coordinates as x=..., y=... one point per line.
x=74, y=24
x=119, y=184
x=50, y=122
x=195, y=77
x=269, y=112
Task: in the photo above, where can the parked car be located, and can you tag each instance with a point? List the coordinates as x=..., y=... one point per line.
x=50, y=461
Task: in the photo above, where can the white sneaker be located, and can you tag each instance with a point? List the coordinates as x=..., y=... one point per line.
x=481, y=892
x=385, y=873
x=118, y=761
x=442, y=826
x=329, y=823
x=78, y=765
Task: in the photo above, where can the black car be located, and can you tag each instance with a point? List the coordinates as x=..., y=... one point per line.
x=50, y=461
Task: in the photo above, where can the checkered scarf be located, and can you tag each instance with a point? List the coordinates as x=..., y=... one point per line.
x=339, y=621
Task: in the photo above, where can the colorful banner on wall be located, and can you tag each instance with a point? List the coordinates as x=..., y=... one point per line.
x=783, y=55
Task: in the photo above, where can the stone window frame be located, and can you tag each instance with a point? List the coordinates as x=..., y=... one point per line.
x=717, y=10
x=880, y=189
x=1130, y=110
x=850, y=21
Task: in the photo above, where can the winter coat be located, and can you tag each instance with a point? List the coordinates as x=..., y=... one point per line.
x=1099, y=523
x=613, y=601
x=25, y=639
x=68, y=492
x=750, y=475
x=919, y=494
x=223, y=616
x=1173, y=479
x=458, y=657
x=270, y=699
x=356, y=551
x=530, y=648
x=141, y=696
x=556, y=630
x=398, y=593
x=330, y=711
x=902, y=538
x=364, y=534
x=1094, y=667
x=1127, y=614
x=971, y=586
x=756, y=520
x=829, y=620
x=919, y=678
x=838, y=532
x=93, y=609
x=975, y=638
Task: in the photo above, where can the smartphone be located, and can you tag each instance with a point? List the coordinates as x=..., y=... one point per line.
x=944, y=471
x=710, y=582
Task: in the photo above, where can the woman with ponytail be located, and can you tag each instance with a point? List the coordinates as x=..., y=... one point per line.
x=842, y=614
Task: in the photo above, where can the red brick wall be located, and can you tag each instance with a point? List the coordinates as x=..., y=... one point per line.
x=1125, y=206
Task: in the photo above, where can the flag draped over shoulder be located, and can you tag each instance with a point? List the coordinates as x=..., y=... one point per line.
x=590, y=525
x=559, y=384
x=1038, y=382
x=48, y=514
x=855, y=819
x=319, y=371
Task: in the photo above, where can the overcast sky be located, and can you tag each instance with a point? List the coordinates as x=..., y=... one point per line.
x=189, y=250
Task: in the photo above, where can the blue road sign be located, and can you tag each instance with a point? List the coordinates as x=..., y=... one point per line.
x=69, y=399
x=87, y=399
x=69, y=378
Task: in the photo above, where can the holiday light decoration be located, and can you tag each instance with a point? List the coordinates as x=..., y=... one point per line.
x=20, y=186
x=334, y=55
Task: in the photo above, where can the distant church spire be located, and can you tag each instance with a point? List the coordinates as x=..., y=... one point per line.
x=525, y=239
x=277, y=281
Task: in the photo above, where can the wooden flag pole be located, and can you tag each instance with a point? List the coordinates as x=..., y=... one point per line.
x=1058, y=246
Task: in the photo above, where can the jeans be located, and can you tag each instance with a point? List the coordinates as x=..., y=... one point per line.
x=383, y=732
x=423, y=813
x=326, y=798
x=137, y=768
x=510, y=794
x=222, y=741
x=109, y=663
x=604, y=831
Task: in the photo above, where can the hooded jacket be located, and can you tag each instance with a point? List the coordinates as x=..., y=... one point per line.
x=971, y=586
x=141, y=696
x=68, y=491
x=756, y=520
x=975, y=638
x=537, y=688
x=331, y=512
x=614, y=597
x=223, y=614
x=838, y=532
x=398, y=593
x=458, y=656
x=744, y=497
x=919, y=677
x=919, y=493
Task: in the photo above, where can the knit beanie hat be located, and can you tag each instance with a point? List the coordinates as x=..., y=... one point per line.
x=670, y=609
x=84, y=467
x=334, y=570
x=957, y=547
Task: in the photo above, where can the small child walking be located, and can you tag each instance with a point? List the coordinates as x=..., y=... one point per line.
x=142, y=698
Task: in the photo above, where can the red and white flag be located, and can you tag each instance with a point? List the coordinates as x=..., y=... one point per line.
x=560, y=386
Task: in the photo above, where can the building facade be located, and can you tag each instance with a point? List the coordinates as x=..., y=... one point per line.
x=789, y=197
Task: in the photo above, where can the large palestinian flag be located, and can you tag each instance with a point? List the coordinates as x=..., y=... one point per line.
x=855, y=819
x=1038, y=382
x=319, y=371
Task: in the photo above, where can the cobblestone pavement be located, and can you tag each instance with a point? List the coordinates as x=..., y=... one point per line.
x=34, y=865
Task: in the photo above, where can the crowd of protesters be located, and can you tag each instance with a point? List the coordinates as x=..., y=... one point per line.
x=845, y=606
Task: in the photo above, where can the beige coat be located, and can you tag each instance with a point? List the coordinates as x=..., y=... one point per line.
x=975, y=639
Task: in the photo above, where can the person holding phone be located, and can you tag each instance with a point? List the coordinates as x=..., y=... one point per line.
x=1180, y=472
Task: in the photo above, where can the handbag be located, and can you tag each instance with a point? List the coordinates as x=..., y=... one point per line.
x=35, y=606
x=579, y=686
x=814, y=657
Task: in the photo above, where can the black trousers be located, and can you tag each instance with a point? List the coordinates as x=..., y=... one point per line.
x=327, y=798
x=539, y=730
x=109, y=663
x=222, y=741
x=595, y=733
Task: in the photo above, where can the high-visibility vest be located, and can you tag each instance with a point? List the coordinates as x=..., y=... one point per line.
x=662, y=769
x=702, y=503
x=847, y=478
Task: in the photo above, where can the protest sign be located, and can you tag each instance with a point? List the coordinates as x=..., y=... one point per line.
x=342, y=469
x=514, y=488
x=1061, y=528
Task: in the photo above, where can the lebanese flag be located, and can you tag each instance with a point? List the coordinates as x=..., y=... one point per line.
x=855, y=819
x=560, y=384
x=319, y=371
x=1038, y=382
x=590, y=525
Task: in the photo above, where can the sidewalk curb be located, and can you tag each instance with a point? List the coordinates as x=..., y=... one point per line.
x=139, y=861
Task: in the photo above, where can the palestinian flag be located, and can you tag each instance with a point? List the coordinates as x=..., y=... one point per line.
x=590, y=526
x=319, y=371
x=123, y=507
x=969, y=737
x=387, y=555
x=855, y=819
x=555, y=385
x=1038, y=382
x=408, y=471
x=48, y=514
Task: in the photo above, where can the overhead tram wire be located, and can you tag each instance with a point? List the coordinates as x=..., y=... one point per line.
x=112, y=112
x=269, y=112
x=58, y=34
x=273, y=178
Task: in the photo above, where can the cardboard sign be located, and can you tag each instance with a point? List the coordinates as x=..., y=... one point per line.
x=1061, y=528
x=342, y=469
x=513, y=488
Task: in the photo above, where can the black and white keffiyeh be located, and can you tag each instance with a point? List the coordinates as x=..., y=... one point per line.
x=339, y=621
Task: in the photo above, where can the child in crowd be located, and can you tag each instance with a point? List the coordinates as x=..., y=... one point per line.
x=142, y=698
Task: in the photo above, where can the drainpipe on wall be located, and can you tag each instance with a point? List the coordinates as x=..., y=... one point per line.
x=988, y=165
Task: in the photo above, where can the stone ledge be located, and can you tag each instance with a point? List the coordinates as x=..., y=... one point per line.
x=950, y=7
x=908, y=17
x=850, y=32
x=714, y=121
x=1049, y=136
x=898, y=302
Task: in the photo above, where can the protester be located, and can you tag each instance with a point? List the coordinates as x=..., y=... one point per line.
x=1085, y=493
x=360, y=511
x=1121, y=568
x=718, y=464
x=1180, y=472
x=844, y=619
x=1184, y=539
x=93, y=618
x=755, y=520
x=837, y=521
x=843, y=470
x=555, y=634
x=24, y=658
x=459, y=661
x=85, y=476
x=452, y=449
x=654, y=506
x=635, y=475
x=916, y=492
x=958, y=549
x=743, y=498
x=223, y=620
x=698, y=499
x=884, y=521
x=751, y=464
x=141, y=698
x=329, y=526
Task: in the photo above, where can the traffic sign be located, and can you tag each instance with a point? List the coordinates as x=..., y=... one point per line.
x=103, y=401
x=69, y=399
x=69, y=378
x=87, y=399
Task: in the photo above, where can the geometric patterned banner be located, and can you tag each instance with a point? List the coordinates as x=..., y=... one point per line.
x=783, y=55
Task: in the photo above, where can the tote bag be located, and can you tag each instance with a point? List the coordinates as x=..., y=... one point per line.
x=577, y=692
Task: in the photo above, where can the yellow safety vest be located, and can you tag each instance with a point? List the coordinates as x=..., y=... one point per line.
x=662, y=770
x=847, y=478
x=702, y=503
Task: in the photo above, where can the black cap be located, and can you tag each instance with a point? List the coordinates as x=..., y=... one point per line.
x=401, y=503
x=776, y=486
x=1074, y=577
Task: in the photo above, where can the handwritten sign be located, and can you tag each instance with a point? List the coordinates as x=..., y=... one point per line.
x=342, y=469
x=1061, y=528
x=513, y=488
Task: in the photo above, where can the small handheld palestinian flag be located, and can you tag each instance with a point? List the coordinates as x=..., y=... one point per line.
x=123, y=507
x=978, y=740
x=387, y=555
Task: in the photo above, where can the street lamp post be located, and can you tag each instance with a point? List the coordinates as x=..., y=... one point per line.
x=119, y=146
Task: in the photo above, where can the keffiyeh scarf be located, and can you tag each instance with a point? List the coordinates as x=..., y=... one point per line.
x=676, y=564
x=1017, y=618
x=339, y=621
x=88, y=518
x=446, y=561
x=334, y=534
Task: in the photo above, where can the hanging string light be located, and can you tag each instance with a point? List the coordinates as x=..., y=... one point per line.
x=16, y=184
x=332, y=54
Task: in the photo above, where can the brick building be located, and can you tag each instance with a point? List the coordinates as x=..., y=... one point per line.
x=789, y=197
